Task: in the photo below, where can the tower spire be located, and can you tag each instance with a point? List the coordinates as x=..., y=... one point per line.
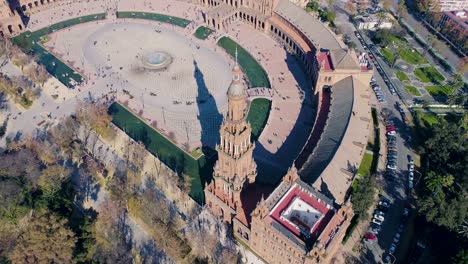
x=236, y=55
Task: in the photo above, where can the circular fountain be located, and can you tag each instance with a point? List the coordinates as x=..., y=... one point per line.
x=157, y=60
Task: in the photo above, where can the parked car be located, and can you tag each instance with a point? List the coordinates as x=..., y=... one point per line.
x=410, y=184
x=385, y=204
x=410, y=176
x=391, y=166
x=392, y=248
x=379, y=217
x=391, y=133
x=376, y=221
x=377, y=212
x=396, y=238
x=405, y=211
x=370, y=236
x=411, y=167
x=400, y=228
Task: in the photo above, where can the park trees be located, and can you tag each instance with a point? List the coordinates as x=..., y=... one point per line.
x=363, y=195
x=94, y=116
x=350, y=7
x=386, y=4
x=37, y=74
x=444, y=198
x=312, y=6
x=52, y=177
x=402, y=10
x=47, y=239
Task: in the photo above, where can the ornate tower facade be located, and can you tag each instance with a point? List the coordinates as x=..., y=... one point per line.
x=235, y=168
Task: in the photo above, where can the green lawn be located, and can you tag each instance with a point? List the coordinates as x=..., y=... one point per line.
x=203, y=32
x=366, y=162
x=388, y=55
x=255, y=73
x=402, y=76
x=411, y=56
x=427, y=119
x=258, y=116
x=175, y=158
x=412, y=90
x=29, y=43
x=429, y=75
x=156, y=17
x=440, y=90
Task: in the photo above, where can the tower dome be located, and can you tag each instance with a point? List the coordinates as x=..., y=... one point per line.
x=236, y=88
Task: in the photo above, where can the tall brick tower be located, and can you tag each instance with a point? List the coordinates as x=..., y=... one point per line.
x=235, y=168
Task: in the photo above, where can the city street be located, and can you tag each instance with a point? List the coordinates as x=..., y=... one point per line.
x=396, y=191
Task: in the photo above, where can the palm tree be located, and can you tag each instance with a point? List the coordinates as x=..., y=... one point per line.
x=429, y=43
x=463, y=229
x=381, y=16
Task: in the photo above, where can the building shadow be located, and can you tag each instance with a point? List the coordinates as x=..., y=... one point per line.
x=271, y=167
x=15, y=7
x=208, y=114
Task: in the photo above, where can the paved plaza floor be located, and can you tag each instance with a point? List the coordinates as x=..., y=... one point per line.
x=191, y=88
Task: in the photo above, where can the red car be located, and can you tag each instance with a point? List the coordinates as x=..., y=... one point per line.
x=369, y=236
x=390, y=128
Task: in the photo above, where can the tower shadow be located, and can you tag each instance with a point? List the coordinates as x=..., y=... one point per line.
x=209, y=116
x=15, y=6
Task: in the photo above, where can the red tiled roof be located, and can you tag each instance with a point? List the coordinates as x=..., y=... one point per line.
x=323, y=57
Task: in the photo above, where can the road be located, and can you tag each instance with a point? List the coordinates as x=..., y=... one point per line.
x=396, y=190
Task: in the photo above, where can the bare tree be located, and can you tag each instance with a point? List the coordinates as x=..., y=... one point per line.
x=21, y=59
x=351, y=7
x=94, y=116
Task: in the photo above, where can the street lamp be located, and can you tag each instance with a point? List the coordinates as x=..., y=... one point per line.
x=420, y=176
x=394, y=258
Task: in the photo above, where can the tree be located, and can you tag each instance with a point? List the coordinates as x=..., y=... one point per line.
x=94, y=116
x=363, y=196
x=21, y=59
x=461, y=257
x=444, y=199
x=64, y=134
x=113, y=241
x=386, y=4
x=52, y=177
x=430, y=41
x=37, y=74
x=402, y=10
x=381, y=16
x=46, y=239
x=185, y=183
x=21, y=164
x=456, y=81
x=426, y=6
x=228, y=255
x=383, y=37
x=331, y=4
x=350, y=7
x=312, y=6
